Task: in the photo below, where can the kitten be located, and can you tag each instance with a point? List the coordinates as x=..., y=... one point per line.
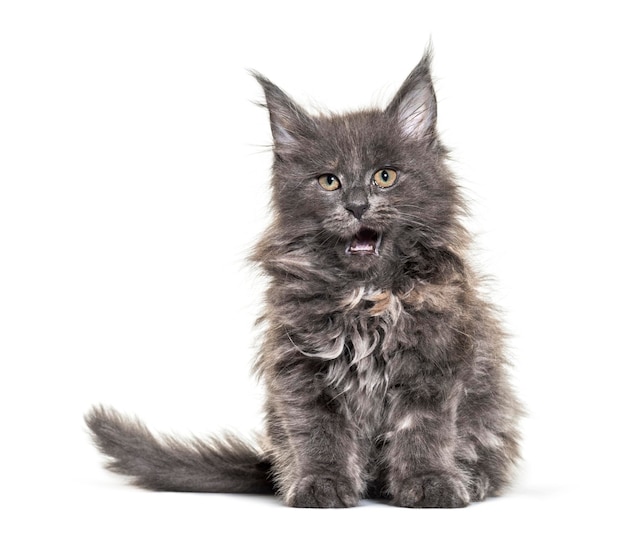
x=384, y=368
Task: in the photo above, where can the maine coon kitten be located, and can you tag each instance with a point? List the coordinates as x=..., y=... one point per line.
x=384, y=368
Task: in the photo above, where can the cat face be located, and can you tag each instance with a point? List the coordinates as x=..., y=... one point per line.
x=362, y=189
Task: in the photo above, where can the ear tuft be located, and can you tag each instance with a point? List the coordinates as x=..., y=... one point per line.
x=415, y=105
x=289, y=122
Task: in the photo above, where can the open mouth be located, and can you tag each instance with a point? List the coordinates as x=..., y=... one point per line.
x=365, y=242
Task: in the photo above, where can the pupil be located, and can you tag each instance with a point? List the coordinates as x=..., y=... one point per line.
x=384, y=175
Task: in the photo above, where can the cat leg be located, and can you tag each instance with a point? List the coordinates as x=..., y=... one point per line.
x=420, y=451
x=489, y=459
x=487, y=426
x=316, y=457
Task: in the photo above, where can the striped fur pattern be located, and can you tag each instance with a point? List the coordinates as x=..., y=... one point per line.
x=383, y=363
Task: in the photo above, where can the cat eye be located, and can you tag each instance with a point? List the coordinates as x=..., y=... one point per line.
x=385, y=177
x=329, y=182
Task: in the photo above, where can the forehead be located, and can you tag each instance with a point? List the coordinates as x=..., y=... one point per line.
x=358, y=140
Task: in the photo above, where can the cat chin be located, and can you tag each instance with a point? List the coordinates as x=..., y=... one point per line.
x=364, y=265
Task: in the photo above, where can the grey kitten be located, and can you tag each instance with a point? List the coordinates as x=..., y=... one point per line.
x=384, y=368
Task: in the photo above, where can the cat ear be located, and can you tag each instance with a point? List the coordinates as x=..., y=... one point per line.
x=415, y=105
x=289, y=122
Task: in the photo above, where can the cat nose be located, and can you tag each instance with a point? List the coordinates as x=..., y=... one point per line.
x=357, y=209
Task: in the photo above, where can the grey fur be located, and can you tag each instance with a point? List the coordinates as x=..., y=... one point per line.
x=385, y=370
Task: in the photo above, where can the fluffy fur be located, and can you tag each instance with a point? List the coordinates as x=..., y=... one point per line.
x=383, y=365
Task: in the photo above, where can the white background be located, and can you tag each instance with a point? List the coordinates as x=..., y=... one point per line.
x=133, y=182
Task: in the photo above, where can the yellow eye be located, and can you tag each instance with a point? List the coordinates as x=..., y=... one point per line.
x=329, y=182
x=385, y=177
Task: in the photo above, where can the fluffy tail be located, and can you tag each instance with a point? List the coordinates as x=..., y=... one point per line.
x=194, y=465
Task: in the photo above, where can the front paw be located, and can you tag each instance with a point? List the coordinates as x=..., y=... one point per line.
x=314, y=491
x=432, y=490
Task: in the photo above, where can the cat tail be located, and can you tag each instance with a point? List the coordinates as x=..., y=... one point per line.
x=194, y=465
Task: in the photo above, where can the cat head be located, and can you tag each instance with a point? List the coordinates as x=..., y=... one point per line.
x=363, y=192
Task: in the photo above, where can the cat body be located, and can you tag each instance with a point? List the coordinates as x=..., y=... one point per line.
x=384, y=367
